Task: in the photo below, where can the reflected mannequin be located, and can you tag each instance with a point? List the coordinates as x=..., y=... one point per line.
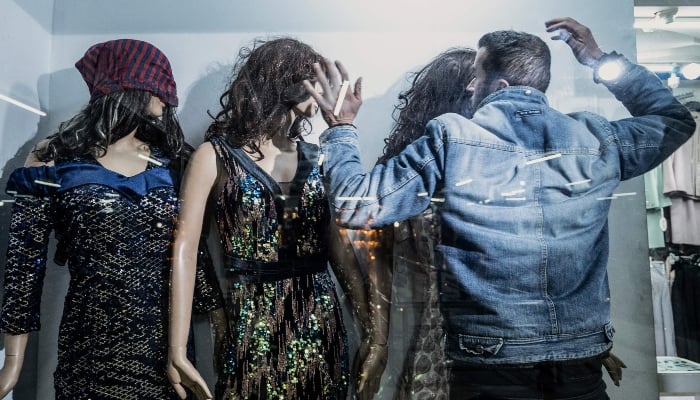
x=404, y=252
x=106, y=184
x=524, y=194
x=438, y=88
x=286, y=337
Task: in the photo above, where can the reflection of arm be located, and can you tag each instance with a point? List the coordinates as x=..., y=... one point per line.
x=379, y=274
x=349, y=273
x=198, y=181
x=373, y=250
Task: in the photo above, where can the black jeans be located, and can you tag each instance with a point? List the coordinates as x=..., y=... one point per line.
x=560, y=381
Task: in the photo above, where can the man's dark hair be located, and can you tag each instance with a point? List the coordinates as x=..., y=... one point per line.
x=520, y=58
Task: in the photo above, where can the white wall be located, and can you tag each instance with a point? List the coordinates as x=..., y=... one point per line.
x=25, y=46
x=380, y=41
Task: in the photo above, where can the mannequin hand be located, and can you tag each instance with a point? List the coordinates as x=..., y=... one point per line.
x=370, y=374
x=327, y=101
x=9, y=374
x=181, y=373
x=614, y=367
x=580, y=40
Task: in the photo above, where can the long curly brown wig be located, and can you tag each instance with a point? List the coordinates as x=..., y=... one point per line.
x=439, y=87
x=266, y=83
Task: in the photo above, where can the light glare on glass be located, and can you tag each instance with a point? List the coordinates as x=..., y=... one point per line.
x=610, y=70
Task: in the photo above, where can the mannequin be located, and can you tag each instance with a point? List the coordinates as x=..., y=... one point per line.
x=438, y=88
x=106, y=185
x=286, y=337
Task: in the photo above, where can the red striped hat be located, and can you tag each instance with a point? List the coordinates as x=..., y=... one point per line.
x=127, y=64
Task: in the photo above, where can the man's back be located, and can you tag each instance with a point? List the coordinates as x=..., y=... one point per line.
x=526, y=193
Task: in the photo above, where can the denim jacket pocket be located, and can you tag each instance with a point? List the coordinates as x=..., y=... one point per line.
x=480, y=345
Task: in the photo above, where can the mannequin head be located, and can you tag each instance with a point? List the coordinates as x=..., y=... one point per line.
x=438, y=88
x=131, y=89
x=266, y=84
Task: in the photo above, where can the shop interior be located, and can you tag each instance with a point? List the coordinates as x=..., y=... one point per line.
x=667, y=43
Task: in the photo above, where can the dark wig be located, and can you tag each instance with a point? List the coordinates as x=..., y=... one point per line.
x=267, y=82
x=520, y=58
x=110, y=118
x=438, y=88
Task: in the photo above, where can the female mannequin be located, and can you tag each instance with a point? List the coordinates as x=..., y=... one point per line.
x=438, y=88
x=106, y=184
x=286, y=335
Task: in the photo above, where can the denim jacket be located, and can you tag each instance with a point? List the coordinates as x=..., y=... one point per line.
x=523, y=193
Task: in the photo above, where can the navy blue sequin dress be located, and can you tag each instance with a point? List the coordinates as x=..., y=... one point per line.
x=115, y=234
x=287, y=339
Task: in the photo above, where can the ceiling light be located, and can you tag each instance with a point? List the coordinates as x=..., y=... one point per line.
x=691, y=71
x=667, y=15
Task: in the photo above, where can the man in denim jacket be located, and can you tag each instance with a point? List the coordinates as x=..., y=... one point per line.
x=523, y=193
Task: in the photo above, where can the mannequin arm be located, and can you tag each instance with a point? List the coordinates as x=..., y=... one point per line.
x=379, y=272
x=15, y=345
x=350, y=274
x=200, y=176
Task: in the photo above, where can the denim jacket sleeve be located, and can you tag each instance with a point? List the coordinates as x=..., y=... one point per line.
x=389, y=192
x=659, y=125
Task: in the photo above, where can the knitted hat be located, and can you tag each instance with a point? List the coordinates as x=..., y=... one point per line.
x=127, y=64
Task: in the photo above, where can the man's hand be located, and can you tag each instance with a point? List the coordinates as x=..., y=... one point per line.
x=328, y=100
x=614, y=366
x=578, y=37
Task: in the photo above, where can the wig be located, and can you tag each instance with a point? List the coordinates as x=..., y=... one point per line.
x=266, y=83
x=438, y=88
x=110, y=118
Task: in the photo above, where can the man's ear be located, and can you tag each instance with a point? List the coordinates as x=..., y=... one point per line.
x=502, y=83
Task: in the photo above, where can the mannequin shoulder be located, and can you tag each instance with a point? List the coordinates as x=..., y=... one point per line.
x=32, y=160
x=203, y=161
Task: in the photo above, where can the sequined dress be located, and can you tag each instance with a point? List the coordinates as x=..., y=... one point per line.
x=287, y=339
x=115, y=233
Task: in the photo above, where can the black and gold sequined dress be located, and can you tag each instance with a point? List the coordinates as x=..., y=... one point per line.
x=287, y=339
x=115, y=234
